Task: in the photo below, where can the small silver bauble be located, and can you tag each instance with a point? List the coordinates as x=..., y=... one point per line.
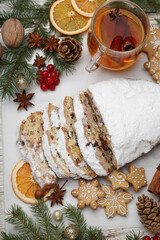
x=71, y=232
x=57, y=215
x=21, y=82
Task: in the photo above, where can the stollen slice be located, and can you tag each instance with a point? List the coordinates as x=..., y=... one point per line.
x=87, y=142
x=30, y=146
x=68, y=121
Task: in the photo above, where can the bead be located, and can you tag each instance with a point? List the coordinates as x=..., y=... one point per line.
x=57, y=215
x=71, y=232
x=21, y=82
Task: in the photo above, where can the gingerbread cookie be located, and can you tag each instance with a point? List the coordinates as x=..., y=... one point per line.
x=114, y=201
x=152, y=42
x=136, y=177
x=88, y=193
x=154, y=65
x=118, y=180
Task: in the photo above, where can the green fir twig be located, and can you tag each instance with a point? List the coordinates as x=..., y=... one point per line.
x=149, y=6
x=134, y=236
x=43, y=227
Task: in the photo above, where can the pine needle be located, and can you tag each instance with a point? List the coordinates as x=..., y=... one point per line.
x=134, y=236
x=23, y=223
x=149, y=6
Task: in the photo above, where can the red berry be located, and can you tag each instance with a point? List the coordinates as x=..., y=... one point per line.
x=49, y=80
x=146, y=238
x=54, y=74
x=156, y=238
x=52, y=87
x=50, y=67
x=56, y=81
x=44, y=86
x=44, y=73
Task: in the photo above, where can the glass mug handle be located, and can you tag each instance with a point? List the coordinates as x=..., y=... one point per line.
x=93, y=63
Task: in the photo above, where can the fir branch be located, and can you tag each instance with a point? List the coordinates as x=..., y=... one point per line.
x=24, y=224
x=12, y=236
x=134, y=236
x=76, y=218
x=15, y=61
x=149, y=6
x=93, y=233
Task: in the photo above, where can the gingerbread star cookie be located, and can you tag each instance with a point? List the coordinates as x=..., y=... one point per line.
x=118, y=180
x=152, y=42
x=136, y=177
x=88, y=194
x=154, y=65
x=114, y=201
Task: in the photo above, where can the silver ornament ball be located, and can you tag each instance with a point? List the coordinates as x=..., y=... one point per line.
x=57, y=215
x=71, y=232
x=21, y=82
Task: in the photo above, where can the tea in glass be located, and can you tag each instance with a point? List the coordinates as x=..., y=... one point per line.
x=118, y=34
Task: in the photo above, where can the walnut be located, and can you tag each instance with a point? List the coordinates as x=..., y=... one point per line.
x=12, y=33
x=1, y=50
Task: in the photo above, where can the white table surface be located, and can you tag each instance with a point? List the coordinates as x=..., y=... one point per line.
x=114, y=228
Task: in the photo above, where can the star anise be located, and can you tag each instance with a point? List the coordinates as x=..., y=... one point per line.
x=24, y=99
x=35, y=40
x=116, y=14
x=39, y=61
x=57, y=195
x=51, y=44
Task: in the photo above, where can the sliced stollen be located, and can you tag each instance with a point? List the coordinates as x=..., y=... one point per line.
x=30, y=145
x=131, y=113
x=88, y=138
x=55, y=150
x=50, y=142
x=68, y=128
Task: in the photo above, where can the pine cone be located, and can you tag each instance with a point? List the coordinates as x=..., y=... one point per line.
x=70, y=49
x=149, y=212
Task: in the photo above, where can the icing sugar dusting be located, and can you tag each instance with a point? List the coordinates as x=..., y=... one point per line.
x=131, y=115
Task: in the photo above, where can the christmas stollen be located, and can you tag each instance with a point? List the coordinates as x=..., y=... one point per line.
x=131, y=113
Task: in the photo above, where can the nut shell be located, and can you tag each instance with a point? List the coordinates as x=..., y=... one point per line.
x=1, y=50
x=12, y=33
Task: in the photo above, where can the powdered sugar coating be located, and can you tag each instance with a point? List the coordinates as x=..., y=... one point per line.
x=88, y=152
x=47, y=151
x=45, y=117
x=61, y=115
x=130, y=110
x=55, y=118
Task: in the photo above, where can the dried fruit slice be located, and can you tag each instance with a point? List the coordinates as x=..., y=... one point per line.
x=66, y=20
x=23, y=184
x=86, y=8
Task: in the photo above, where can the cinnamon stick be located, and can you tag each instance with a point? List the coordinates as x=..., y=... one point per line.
x=154, y=186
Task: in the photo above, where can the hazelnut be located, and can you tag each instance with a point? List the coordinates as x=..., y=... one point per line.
x=39, y=194
x=12, y=33
x=1, y=50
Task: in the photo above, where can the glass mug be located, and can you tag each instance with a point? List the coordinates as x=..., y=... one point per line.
x=118, y=32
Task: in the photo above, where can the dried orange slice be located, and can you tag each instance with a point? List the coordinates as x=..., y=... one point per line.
x=66, y=20
x=86, y=7
x=23, y=183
